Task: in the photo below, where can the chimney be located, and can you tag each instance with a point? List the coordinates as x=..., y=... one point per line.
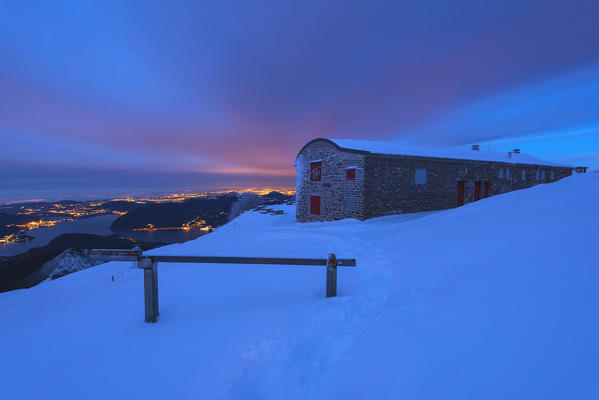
x=516, y=151
x=476, y=147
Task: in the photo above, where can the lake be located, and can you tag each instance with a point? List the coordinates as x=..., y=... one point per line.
x=98, y=226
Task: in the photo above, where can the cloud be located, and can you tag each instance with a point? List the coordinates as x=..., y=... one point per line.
x=565, y=102
x=241, y=86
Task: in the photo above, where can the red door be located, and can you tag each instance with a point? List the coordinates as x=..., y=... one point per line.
x=486, y=194
x=476, y=190
x=315, y=205
x=461, y=193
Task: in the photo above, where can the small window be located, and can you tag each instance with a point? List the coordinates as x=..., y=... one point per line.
x=501, y=172
x=350, y=174
x=316, y=170
x=350, y=203
x=552, y=175
x=523, y=174
x=543, y=175
x=507, y=173
x=420, y=176
x=315, y=205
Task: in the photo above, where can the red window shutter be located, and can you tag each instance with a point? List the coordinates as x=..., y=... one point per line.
x=476, y=190
x=350, y=174
x=315, y=205
x=316, y=171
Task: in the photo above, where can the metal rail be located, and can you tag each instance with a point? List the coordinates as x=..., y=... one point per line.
x=149, y=264
x=253, y=260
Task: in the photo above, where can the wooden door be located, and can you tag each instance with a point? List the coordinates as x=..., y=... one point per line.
x=486, y=189
x=315, y=205
x=476, y=190
x=461, y=193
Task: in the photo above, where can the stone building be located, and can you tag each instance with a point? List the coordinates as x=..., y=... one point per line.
x=339, y=179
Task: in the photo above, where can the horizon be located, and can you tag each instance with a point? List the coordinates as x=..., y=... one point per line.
x=284, y=183
x=101, y=99
x=260, y=190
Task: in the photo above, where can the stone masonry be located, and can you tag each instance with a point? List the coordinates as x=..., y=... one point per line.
x=385, y=184
x=333, y=187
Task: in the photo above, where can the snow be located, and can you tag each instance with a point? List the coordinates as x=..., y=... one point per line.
x=440, y=152
x=493, y=300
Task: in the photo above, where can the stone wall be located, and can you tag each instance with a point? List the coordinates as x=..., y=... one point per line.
x=390, y=186
x=333, y=187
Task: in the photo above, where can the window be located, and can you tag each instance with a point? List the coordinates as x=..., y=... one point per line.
x=552, y=175
x=543, y=175
x=315, y=170
x=523, y=174
x=501, y=172
x=538, y=174
x=420, y=176
x=315, y=205
x=350, y=174
x=350, y=203
x=507, y=173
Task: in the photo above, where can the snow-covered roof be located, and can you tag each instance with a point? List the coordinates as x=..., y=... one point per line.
x=375, y=147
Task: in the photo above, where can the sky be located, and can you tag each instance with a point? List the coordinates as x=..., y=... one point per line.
x=101, y=98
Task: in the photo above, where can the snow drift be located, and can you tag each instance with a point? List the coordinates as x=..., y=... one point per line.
x=493, y=300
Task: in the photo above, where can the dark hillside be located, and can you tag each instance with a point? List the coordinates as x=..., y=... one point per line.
x=12, y=219
x=120, y=205
x=213, y=210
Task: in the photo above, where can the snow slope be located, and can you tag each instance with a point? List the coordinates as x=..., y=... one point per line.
x=493, y=300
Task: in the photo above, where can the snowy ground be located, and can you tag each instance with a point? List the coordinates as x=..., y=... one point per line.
x=494, y=300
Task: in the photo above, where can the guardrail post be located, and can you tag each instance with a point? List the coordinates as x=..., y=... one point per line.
x=332, y=276
x=150, y=287
x=155, y=290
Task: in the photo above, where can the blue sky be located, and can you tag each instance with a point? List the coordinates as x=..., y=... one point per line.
x=189, y=95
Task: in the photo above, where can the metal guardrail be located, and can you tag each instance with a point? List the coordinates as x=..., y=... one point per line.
x=150, y=266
